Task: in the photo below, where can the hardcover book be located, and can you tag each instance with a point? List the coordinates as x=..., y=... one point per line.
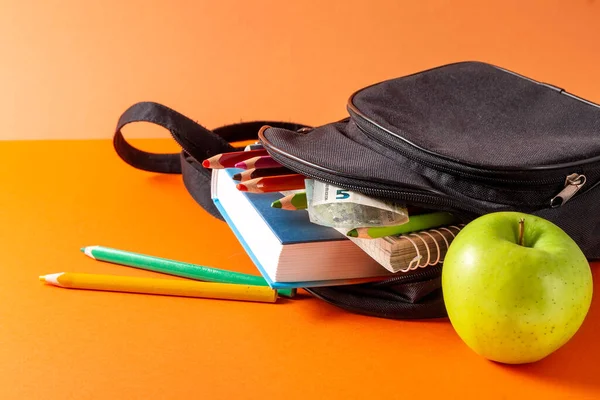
x=288, y=249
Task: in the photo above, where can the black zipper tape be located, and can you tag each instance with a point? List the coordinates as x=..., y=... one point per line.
x=417, y=198
x=427, y=272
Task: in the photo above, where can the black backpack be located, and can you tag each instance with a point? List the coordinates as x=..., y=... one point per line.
x=469, y=138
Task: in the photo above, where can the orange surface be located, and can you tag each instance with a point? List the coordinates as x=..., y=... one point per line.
x=70, y=67
x=66, y=344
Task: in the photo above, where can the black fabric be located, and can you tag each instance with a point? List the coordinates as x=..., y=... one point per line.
x=199, y=142
x=468, y=138
x=183, y=130
x=438, y=108
x=197, y=180
x=417, y=296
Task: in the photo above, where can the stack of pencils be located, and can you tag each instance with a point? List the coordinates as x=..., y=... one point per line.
x=262, y=174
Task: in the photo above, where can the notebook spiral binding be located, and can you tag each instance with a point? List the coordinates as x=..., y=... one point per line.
x=424, y=249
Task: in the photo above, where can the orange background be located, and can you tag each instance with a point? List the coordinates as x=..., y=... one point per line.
x=70, y=344
x=70, y=67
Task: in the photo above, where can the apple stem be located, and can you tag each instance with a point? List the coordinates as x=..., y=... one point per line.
x=521, y=229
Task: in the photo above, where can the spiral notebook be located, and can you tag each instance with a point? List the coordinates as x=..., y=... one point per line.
x=408, y=252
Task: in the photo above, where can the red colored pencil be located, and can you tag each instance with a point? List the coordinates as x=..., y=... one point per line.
x=258, y=162
x=273, y=184
x=257, y=173
x=228, y=160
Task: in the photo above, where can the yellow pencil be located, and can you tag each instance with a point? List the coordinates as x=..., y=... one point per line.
x=169, y=287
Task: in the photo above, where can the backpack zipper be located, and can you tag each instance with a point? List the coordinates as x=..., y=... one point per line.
x=429, y=272
x=388, y=139
x=573, y=183
x=369, y=188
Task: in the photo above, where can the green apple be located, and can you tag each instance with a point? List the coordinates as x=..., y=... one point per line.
x=516, y=286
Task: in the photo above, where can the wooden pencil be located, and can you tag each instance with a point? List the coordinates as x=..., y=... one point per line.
x=273, y=184
x=260, y=172
x=177, y=268
x=263, y=161
x=294, y=201
x=415, y=223
x=253, y=146
x=228, y=160
x=168, y=287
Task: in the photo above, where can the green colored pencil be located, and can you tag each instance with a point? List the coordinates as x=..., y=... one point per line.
x=177, y=268
x=294, y=201
x=415, y=223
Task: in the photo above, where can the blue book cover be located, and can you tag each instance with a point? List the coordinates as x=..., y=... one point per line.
x=289, y=227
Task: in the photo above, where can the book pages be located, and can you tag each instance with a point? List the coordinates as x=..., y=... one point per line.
x=410, y=251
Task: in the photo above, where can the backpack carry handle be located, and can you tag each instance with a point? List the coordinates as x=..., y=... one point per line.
x=197, y=142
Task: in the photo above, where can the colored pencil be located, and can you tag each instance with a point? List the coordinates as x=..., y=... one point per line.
x=257, y=173
x=253, y=146
x=228, y=160
x=294, y=201
x=415, y=223
x=263, y=161
x=167, y=287
x=176, y=268
x=273, y=184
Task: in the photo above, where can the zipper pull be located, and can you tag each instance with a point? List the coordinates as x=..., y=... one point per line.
x=573, y=183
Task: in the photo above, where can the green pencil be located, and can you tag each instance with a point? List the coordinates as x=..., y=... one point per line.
x=294, y=201
x=177, y=268
x=415, y=223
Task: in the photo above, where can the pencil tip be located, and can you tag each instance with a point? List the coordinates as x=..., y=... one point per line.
x=242, y=187
x=241, y=165
x=88, y=251
x=237, y=177
x=42, y=278
x=352, y=233
x=276, y=204
x=206, y=163
x=82, y=249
